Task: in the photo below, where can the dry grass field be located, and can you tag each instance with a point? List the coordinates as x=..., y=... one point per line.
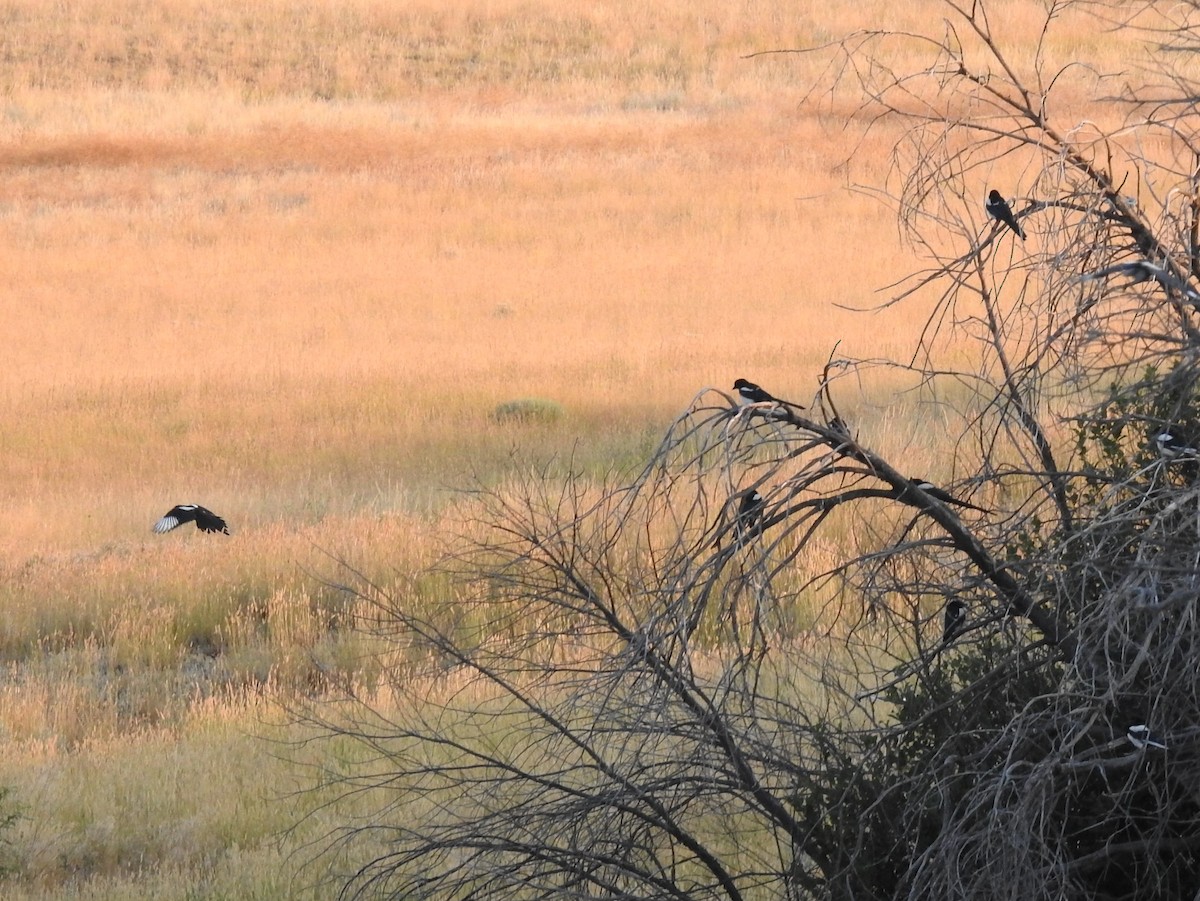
x=285, y=260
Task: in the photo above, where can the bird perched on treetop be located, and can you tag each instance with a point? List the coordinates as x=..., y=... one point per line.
x=953, y=620
x=997, y=207
x=750, y=393
x=205, y=519
x=1140, y=271
x=944, y=496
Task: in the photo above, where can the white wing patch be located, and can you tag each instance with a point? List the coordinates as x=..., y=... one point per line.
x=166, y=524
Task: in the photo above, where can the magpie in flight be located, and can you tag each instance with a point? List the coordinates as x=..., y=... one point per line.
x=1141, y=738
x=205, y=519
x=944, y=496
x=953, y=620
x=997, y=207
x=1140, y=271
x=750, y=393
x=750, y=514
x=1171, y=446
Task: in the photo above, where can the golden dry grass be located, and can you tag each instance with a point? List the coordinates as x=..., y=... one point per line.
x=285, y=260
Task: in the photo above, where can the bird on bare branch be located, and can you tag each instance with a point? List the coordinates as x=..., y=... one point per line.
x=953, y=620
x=750, y=393
x=750, y=514
x=1173, y=446
x=944, y=496
x=997, y=207
x=1141, y=738
x=1140, y=271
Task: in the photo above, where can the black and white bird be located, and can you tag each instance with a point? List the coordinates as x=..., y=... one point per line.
x=1172, y=446
x=1141, y=738
x=750, y=393
x=750, y=514
x=1140, y=271
x=205, y=519
x=997, y=207
x=944, y=496
x=953, y=620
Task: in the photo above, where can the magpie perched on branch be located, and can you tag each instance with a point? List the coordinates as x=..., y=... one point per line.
x=1173, y=446
x=205, y=519
x=953, y=620
x=750, y=514
x=750, y=393
x=944, y=496
x=1140, y=271
x=1141, y=738
x=997, y=207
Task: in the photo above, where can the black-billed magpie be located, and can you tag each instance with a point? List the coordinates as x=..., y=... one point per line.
x=1140, y=271
x=997, y=207
x=953, y=620
x=1173, y=446
x=944, y=496
x=750, y=514
x=205, y=519
x=750, y=393
x=1141, y=738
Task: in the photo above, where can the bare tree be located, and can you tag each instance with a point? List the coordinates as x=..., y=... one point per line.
x=774, y=664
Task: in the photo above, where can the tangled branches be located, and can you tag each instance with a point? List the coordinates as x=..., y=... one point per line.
x=773, y=663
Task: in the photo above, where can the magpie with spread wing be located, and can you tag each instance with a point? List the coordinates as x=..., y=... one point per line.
x=205, y=519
